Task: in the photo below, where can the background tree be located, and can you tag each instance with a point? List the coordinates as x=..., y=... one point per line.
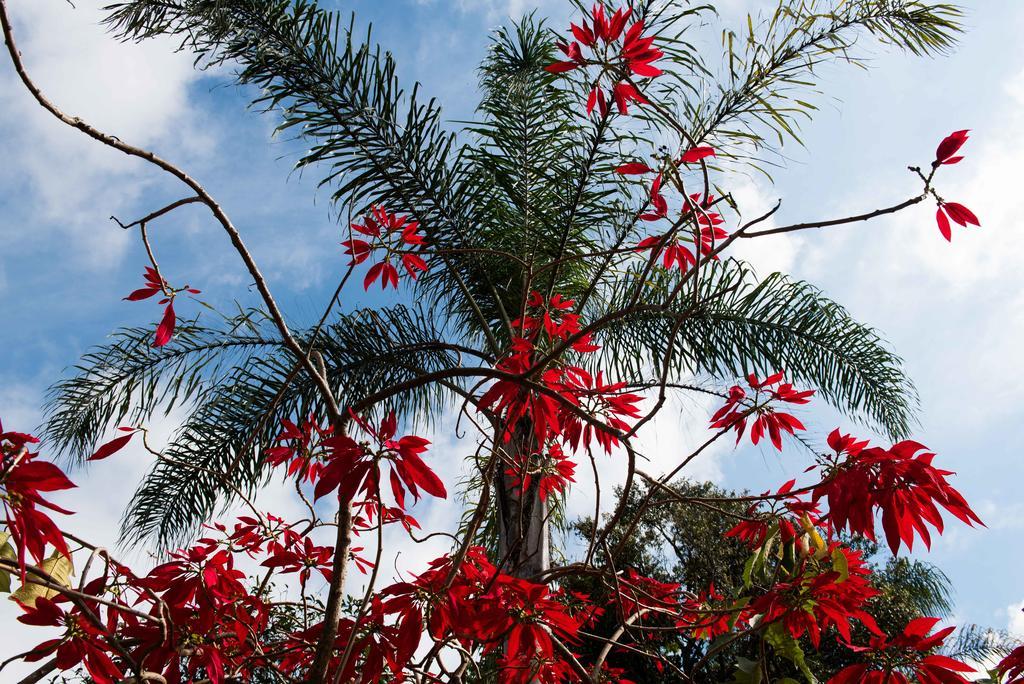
x=682, y=539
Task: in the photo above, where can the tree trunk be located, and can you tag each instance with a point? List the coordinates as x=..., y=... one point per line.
x=524, y=539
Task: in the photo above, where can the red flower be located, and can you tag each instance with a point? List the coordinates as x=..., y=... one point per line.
x=399, y=239
x=901, y=482
x=555, y=319
x=960, y=215
x=949, y=146
x=673, y=247
x=202, y=576
x=607, y=402
x=638, y=593
x=301, y=555
x=156, y=284
x=350, y=466
x=733, y=414
x=514, y=401
x=553, y=470
x=1012, y=666
x=636, y=54
x=82, y=642
x=297, y=447
x=826, y=589
x=23, y=480
x=912, y=652
x=528, y=615
x=709, y=615
x=639, y=52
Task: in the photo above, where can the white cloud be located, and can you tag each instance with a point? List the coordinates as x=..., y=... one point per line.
x=767, y=254
x=499, y=10
x=136, y=92
x=1015, y=615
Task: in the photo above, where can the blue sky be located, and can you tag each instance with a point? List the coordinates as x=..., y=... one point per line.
x=955, y=312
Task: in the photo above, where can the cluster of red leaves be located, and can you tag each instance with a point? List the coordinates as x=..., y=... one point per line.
x=551, y=321
x=468, y=600
x=82, y=643
x=294, y=553
x=155, y=284
x=758, y=525
x=901, y=482
x=334, y=463
x=674, y=246
x=910, y=654
x=553, y=471
x=736, y=411
x=814, y=596
x=639, y=594
x=297, y=447
x=563, y=402
x=201, y=618
x=217, y=622
x=23, y=481
x=205, y=622
x=616, y=50
x=1012, y=666
x=352, y=466
x=397, y=237
x=952, y=211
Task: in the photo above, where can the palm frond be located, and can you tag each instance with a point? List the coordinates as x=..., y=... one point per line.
x=218, y=452
x=214, y=455
x=377, y=142
x=772, y=64
x=741, y=325
x=127, y=380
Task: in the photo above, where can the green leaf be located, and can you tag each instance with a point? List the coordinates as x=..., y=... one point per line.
x=747, y=672
x=783, y=643
x=751, y=325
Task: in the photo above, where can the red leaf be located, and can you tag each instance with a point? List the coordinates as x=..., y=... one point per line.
x=961, y=214
x=166, y=328
x=424, y=477
x=634, y=169
x=111, y=447
x=644, y=69
x=561, y=67
x=142, y=293
x=940, y=218
x=696, y=154
x=949, y=146
x=372, y=274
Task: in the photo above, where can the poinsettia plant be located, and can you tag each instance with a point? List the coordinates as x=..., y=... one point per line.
x=561, y=271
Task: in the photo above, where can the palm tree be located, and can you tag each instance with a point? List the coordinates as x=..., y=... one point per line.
x=524, y=199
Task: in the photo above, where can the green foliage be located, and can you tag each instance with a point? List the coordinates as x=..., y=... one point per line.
x=741, y=324
x=127, y=379
x=683, y=543
x=235, y=400
x=772, y=64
